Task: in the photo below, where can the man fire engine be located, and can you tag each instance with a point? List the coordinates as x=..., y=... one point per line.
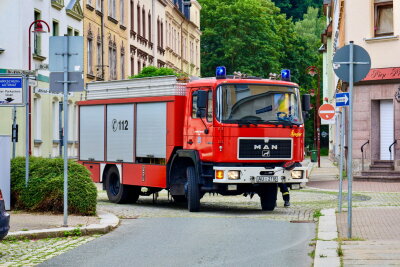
x=229, y=135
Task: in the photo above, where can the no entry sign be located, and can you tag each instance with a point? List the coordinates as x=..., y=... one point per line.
x=326, y=112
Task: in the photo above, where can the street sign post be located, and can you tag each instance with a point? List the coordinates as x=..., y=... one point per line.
x=13, y=90
x=326, y=112
x=351, y=63
x=66, y=57
x=342, y=99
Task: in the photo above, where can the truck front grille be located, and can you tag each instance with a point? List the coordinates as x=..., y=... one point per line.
x=265, y=148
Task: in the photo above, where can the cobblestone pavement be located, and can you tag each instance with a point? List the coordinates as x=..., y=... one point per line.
x=304, y=203
x=32, y=252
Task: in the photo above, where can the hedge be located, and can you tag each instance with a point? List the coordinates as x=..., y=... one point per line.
x=45, y=188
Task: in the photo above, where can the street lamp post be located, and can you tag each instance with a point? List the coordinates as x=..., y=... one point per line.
x=38, y=30
x=313, y=70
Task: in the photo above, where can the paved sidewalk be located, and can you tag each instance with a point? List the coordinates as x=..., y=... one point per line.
x=375, y=230
x=44, y=225
x=21, y=221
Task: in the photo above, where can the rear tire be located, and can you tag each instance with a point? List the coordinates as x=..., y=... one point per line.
x=117, y=192
x=193, y=190
x=268, y=195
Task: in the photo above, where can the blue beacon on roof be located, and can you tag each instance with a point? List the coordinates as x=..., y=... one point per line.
x=220, y=72
x=285, y=75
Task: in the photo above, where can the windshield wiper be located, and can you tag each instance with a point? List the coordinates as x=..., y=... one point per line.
x=282, y=122
x=248, y=122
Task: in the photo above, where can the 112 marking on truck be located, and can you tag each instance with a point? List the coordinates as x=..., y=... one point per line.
x=230, y=135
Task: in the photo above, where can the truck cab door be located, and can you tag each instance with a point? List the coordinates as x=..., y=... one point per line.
x=199, y=131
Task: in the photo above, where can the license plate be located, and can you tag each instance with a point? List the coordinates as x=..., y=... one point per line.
x=267, y=179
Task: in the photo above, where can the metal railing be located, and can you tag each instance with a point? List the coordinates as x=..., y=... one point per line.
x=362, y=155
x=390, y=149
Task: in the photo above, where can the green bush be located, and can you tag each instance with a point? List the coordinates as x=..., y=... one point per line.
x=45, y=188
x=151, y=71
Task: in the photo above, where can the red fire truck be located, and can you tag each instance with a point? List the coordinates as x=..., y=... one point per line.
x=228, y=134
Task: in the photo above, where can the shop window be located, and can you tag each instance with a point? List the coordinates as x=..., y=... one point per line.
x=383, y=18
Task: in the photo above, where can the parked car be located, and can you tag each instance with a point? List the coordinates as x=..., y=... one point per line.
x=4, y=218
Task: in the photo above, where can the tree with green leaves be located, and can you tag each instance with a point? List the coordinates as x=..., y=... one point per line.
x=242, y=35
x=296, y=8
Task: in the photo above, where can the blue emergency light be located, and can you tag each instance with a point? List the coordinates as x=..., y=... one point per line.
x=220, y=72
x=285, y=75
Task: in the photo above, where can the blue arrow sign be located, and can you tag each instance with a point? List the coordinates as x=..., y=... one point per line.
x=342, y=99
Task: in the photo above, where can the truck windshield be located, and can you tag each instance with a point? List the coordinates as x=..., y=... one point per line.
x=258, y=104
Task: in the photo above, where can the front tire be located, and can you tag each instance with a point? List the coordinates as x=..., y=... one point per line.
x=193, y=190
x=268, y=195
x=117, y=192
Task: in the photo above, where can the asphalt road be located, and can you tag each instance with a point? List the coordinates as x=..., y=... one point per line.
x=192, y=241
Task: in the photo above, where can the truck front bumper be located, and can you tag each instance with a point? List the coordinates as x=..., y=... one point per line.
x=256, y=175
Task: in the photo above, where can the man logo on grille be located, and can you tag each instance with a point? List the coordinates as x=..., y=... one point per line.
x=266, y=153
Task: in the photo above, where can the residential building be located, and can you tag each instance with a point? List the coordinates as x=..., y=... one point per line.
x=106, y=31
x=373, y=25
x=123, y=36
x=146, y=35
x=182, y=36
x=62, y=17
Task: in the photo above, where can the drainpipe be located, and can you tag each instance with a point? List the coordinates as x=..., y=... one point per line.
x=153, y=21
x=182, y=45
x=102, y=41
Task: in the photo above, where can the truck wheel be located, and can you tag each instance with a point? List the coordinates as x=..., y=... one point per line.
x=193, y=190
x=268, y=197
x=117, y=192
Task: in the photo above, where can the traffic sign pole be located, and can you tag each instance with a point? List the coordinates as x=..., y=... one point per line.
x=352, y=70
x=65, y=139
x=342, y=114
x=350, y=146
x=27, y=131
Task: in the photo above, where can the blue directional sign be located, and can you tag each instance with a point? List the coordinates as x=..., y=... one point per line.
x=342, y=99
x=11, y=90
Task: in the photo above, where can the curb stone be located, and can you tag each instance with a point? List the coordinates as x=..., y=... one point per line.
x=326, y=248
x=108, y=222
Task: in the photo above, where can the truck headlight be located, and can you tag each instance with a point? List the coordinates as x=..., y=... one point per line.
x=297, y=174
x=233, y=175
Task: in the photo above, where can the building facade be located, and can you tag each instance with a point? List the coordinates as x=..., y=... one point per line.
x=124, y=36
x=182, y=35
x=63, y=17
x=146, y=35
x=106, y=39
x=120, y=38
x=375, y=26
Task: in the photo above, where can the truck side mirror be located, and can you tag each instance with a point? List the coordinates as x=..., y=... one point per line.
x=306, y=102
x=202, y=99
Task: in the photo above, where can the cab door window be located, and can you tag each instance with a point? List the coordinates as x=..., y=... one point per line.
x=194, y=105
x=210, y=107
